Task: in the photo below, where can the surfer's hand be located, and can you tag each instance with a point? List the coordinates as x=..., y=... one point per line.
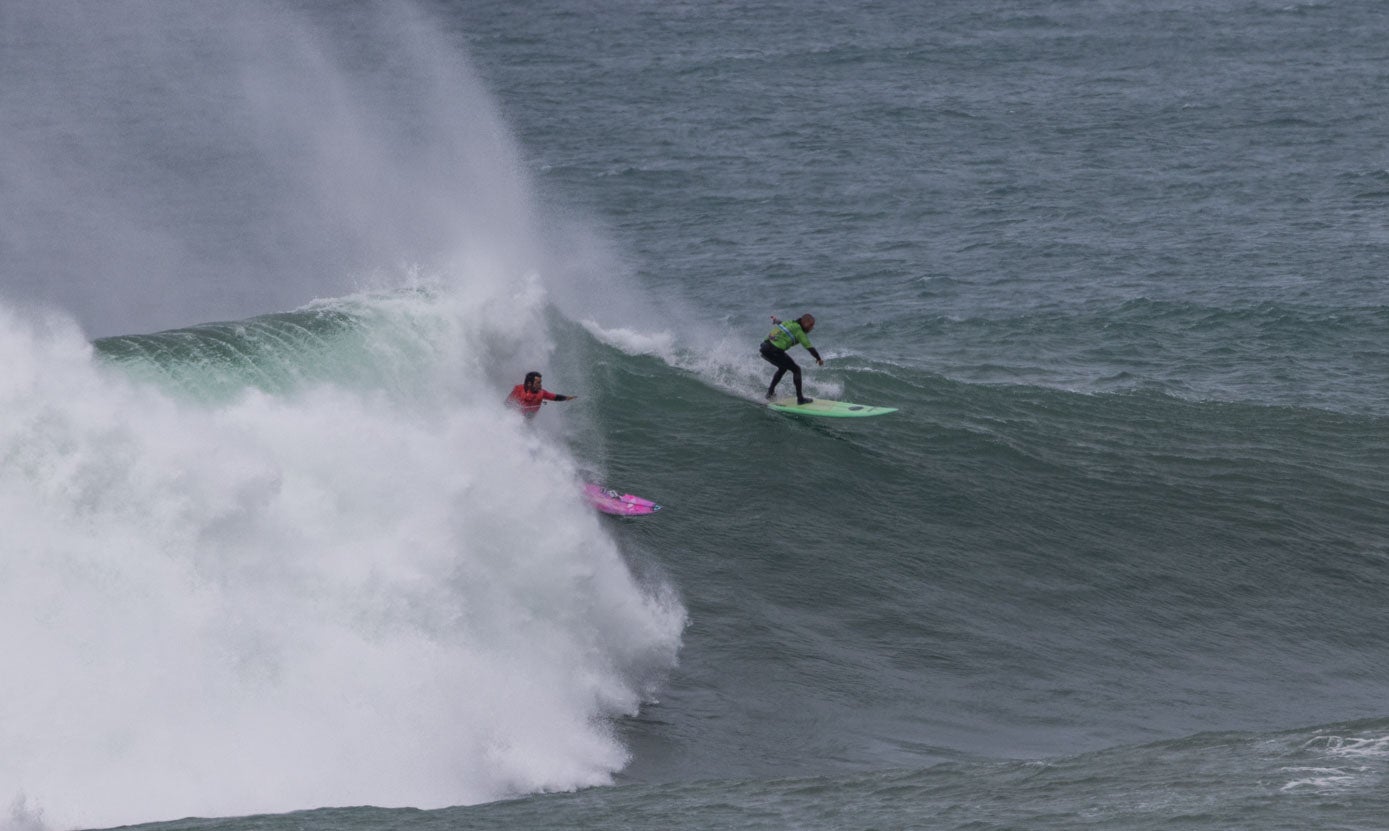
x=820, y=361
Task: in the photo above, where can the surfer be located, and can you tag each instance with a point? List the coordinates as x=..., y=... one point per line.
x=528, y=396
x=782, y=337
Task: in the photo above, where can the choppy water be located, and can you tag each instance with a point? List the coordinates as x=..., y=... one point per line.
x=1118, y=562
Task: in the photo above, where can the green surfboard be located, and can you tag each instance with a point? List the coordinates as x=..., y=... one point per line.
x=825, y=408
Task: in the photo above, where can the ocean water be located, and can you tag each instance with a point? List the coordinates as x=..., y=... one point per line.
x=273, y=554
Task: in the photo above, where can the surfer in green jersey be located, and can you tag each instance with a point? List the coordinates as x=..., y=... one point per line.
x=783, y=336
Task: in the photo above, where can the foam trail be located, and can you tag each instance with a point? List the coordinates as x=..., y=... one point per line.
x=724, y=361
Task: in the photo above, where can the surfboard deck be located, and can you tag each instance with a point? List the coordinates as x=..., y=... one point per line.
x=827, y=408
x=610, y=501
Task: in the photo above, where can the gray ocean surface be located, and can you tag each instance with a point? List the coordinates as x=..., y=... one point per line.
x=1120, y=559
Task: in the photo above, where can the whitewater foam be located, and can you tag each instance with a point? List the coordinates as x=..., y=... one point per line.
x=323, y=597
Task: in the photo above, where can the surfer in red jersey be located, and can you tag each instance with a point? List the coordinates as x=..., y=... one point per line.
x=528, y=396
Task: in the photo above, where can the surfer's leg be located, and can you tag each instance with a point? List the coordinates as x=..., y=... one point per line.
x=776, y=379
x=796, y=377
x=779, y=359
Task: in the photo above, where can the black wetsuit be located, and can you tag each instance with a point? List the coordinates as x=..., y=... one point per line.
x=783, y=362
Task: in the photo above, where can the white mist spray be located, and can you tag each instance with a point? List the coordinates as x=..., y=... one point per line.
x=167, y=164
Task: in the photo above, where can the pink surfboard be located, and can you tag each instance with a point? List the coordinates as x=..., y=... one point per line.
x=610, y=501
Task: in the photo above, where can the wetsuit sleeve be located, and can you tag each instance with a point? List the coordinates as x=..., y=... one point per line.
x=814, y=354
x=549, y=396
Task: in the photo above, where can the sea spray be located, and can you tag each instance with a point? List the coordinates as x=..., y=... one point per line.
x=165, y=165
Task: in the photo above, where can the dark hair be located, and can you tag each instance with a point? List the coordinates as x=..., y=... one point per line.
x=531, y=376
